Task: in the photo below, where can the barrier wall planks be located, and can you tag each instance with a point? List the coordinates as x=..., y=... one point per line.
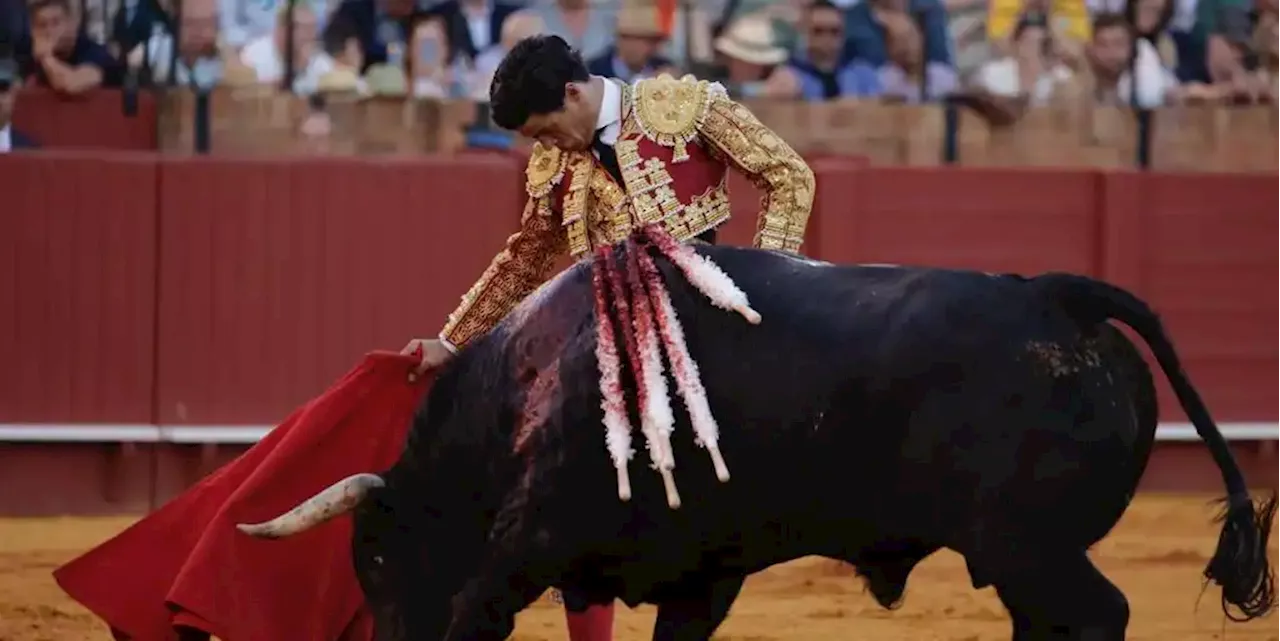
x=193, y=291
x=278, y=274
x=77, y=285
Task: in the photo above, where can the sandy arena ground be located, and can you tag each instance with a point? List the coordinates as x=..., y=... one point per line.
x=1155, y=555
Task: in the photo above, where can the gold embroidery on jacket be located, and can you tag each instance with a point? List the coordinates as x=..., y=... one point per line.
x=515, y=272
x=577, y=203
x=770, y=163
x=669, y=111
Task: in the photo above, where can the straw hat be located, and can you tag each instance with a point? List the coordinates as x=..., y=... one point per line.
x=386, y=80
x=751, y=39
x=639, y=22
x=338, y=80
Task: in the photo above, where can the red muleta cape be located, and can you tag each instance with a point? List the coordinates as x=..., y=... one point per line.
x=186, y=564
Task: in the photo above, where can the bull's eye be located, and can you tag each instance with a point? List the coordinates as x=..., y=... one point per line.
x=378, y=560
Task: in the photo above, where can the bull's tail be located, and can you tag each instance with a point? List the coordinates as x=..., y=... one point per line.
x=1239, y=564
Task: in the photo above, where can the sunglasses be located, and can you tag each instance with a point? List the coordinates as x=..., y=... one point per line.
x=826, y=31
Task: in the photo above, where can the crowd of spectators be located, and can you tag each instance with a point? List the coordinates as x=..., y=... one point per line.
x=1144, y=53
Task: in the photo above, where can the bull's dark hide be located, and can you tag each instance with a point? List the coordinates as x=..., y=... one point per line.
x=875, y=415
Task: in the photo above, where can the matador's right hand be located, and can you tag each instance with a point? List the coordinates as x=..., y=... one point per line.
x=432, y=353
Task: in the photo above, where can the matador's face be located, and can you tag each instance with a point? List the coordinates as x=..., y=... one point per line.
x=571, y=128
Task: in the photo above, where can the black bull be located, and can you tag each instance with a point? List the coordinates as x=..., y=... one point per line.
x=876, y=415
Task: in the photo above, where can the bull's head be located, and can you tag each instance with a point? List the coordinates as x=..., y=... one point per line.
x=386, y=554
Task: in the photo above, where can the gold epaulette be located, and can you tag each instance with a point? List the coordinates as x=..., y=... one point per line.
x=669, y=111
x=545, y=170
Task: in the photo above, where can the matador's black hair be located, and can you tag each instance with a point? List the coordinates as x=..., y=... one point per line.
x=531, y=79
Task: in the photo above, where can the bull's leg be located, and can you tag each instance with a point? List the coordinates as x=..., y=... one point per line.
x=886, y=566
x=1062, y=598
x=695, y=610
x=587, y=621
x=486, y=607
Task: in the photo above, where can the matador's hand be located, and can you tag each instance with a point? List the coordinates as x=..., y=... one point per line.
x=431, y=352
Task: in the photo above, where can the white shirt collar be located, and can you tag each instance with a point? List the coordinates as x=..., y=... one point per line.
x=610, y=118
x=6, y=139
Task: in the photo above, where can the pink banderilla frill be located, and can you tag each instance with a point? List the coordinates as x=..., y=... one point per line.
x=650, y=326
x=617, y=426
x=683, y=367
x=703, y=274
x=656, y=418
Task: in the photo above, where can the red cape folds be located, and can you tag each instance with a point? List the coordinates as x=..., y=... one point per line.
x=186, y=564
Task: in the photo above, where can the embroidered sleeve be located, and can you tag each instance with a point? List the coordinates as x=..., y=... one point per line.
x=770, y=163
x=514, y=274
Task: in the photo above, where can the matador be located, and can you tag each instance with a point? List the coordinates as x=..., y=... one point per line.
x=609, y=158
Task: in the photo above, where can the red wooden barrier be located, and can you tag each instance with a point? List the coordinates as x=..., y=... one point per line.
x=77, y=288
x=92, y=121
x=219, y=291
x=279, y=274
x=1203, y=253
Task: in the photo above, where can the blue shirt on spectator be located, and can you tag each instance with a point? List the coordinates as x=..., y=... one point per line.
x=83, y=52
x=849, y=79
x=865, y=36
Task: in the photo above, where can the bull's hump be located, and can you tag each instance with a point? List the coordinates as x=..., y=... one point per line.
x=539, y=299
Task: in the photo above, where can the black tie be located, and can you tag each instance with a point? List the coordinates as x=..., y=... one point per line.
x=608, y=158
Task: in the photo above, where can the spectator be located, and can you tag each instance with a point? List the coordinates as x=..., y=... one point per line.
x=266, y=57
x=13, y=24
x=517, y=27
x=587, y=25
x=1114, y=57
x=471, y=26
x=432, y=75
x=198, y=61
x=1150, y=21
x=1195, y=25
x=59, y=56
x=752, y=61
x=10, y=138
x=341, y=39
x=1030, y=74
x=1067, y=20
x=822, y=70
x=1266, y=41
x=381, y=27
x=1231, y=62
x=635, y=52
x=783, y=16
x=134, y=22
x=243, y=21
x=906, y=77
x=864, y=24
x=967, y=23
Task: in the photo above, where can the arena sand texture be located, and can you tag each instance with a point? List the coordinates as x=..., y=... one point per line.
x=1155, y=555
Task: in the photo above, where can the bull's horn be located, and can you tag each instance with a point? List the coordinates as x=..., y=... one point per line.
x=336, y=499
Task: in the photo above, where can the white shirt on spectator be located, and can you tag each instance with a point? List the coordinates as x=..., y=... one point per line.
x=1001, y=78
x=478, y=26
x=262, y=56
x=1153, y=79
x=241, y=21
x=6, y=139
